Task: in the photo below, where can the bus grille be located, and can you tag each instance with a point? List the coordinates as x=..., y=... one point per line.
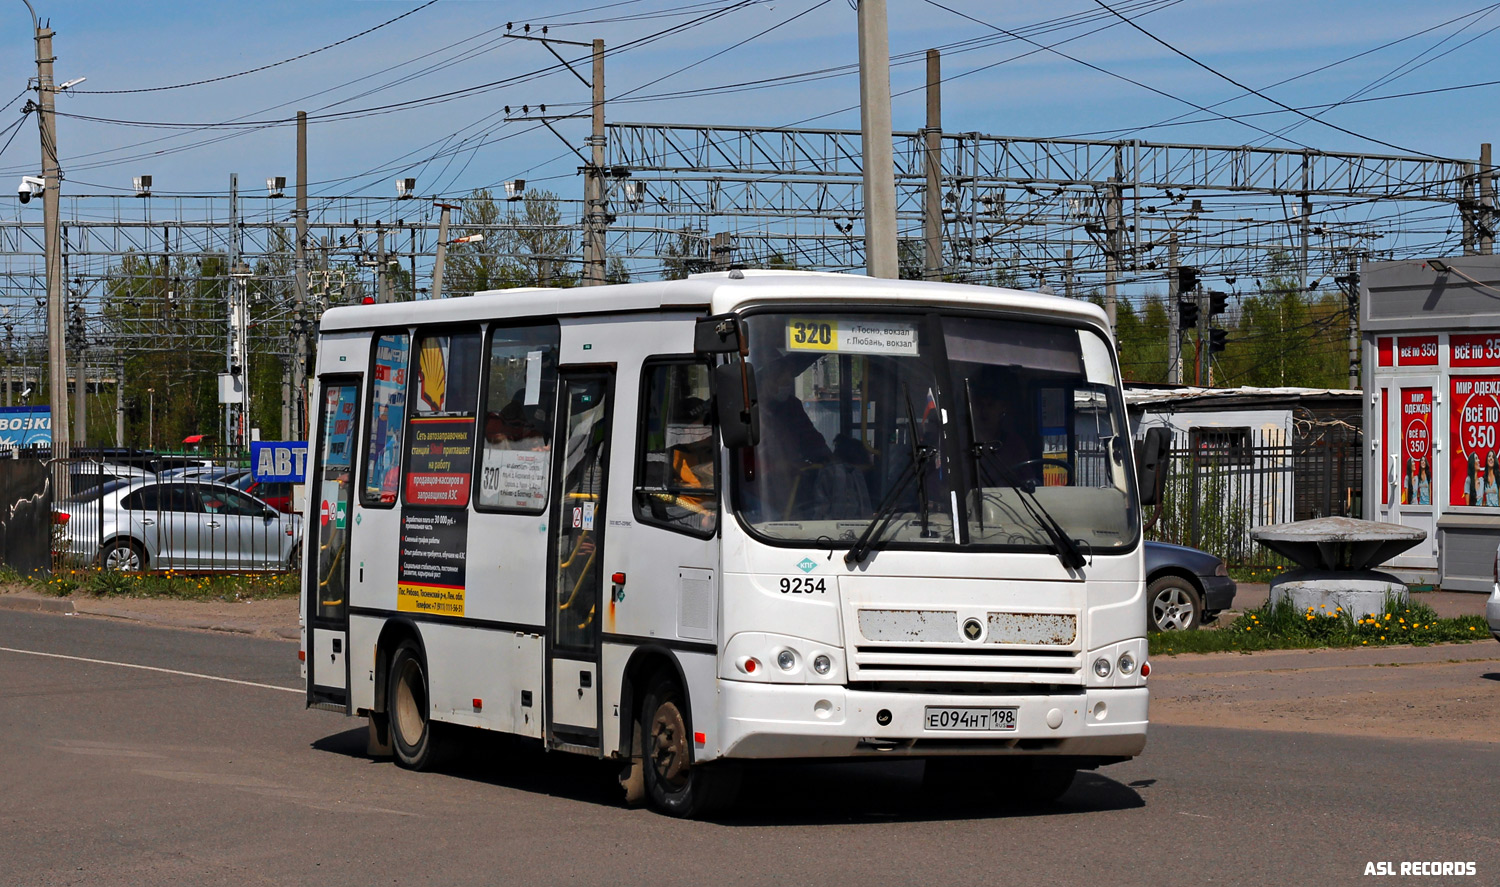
x=936, y=645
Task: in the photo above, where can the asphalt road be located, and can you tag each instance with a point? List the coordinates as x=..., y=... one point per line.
x=114, y=775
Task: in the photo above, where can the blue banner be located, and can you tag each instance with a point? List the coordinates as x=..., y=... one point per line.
x=25, y=426
x=279, y=461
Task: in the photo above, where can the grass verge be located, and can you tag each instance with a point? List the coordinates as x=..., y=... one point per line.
x=168, y=584
x=1273, y=627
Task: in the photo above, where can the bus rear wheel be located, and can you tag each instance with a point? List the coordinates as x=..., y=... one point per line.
x=412, y=730
x=675, y=785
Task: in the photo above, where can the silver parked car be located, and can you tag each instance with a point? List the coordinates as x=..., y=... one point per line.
x=1492, y=606
x=175, y=524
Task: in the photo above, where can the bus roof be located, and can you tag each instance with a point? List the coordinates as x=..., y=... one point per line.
x=718, y=293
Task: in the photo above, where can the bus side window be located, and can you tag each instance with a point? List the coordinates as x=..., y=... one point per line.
x=382, y=480
x=443, y=396
x=520, y=375
x=676, y=486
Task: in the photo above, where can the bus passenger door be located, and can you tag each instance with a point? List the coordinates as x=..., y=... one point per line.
x=330, y=487
x=576, y=543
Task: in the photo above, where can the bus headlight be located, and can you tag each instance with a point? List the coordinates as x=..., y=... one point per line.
x=1126, y=664
x=1102, y=667
x=822, y=664
x=787, y=660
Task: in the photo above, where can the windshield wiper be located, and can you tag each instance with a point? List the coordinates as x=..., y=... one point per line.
x=887, y=510
x=915, y=470
x=1062, y=545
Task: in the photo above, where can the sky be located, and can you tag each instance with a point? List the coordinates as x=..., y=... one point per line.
x=1116, y=82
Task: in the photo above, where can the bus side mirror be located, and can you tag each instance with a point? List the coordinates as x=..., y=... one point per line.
x=1151, y=464
x=736, y=405
x=719, y=334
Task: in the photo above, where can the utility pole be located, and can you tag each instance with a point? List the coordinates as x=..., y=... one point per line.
x=232, y=313
x=80, y=382
x=1205, y=371
x=1469, y=210
x=57, y=361
x=382, y=286
x=875, y=134
x=298, y=392
x=1174, y=335
x=1354, y=320
x=442, y=250
x=932, y=197
x=119, y=399
x=593, y=183
x=1486, y=214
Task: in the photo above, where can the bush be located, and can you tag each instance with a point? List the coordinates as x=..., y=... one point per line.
x=168, y=584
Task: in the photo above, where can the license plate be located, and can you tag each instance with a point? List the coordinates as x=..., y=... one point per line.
x=996, y=720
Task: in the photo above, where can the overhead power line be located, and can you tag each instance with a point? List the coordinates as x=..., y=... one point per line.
x=268, y=67
x=1253, y=91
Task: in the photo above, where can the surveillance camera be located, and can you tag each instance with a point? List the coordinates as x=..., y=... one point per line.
x=27, y=392
x=31, y=186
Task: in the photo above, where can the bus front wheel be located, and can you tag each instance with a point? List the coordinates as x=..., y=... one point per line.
x=675, y=784
x=412, y=739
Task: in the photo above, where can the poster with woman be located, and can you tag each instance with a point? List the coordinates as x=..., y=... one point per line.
x=1473, y=417
x=1416, y=446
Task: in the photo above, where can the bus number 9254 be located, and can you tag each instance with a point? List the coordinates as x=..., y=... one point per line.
x=803, y=585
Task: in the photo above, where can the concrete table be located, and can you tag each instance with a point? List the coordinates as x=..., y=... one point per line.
x=1336, y=555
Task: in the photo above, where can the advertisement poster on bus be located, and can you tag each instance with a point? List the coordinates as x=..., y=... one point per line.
x=388, y=394
x=1473, y=417
x=339, y=413
x=1416, y=446
x=442, y=453
x=432, y=569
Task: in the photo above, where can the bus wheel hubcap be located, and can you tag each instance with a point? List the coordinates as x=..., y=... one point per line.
x=669, y=745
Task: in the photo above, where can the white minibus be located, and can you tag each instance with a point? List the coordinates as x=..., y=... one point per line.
x=692, y=525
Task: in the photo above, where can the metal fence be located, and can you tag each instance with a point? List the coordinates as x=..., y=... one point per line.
x=1224, y=483
x=190, y=512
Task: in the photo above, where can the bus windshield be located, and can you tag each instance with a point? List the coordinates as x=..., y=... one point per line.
x=969, y=430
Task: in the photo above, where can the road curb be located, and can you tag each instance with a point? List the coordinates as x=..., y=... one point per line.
x=37, y=604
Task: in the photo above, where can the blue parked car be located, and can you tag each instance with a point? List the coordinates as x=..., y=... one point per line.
x=1185, y=587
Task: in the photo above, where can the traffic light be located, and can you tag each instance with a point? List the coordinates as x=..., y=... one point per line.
x=1187, y=313
x=1187, y=279
x=1218, y=303
x=1217, y=339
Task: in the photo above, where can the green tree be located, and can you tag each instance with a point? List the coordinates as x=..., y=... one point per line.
x=529, y=246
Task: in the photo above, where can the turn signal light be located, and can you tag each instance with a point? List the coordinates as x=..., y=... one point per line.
x=1145, y=669
x=618, y=578
x=59, y=517
x=301, y=655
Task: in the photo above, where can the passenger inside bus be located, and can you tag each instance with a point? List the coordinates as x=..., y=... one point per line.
x=512, y=428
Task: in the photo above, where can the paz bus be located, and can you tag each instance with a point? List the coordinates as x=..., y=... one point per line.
x=691, y=525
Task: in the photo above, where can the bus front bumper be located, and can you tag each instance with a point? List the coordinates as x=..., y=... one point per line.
x=797, y=721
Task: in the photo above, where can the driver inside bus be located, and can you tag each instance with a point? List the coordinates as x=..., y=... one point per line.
x=791, y=448
x=1000, y=425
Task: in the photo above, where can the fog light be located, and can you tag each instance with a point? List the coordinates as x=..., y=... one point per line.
x=1102, y=667
x=786, y=659
x=1127, y=663
x=822, y=664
